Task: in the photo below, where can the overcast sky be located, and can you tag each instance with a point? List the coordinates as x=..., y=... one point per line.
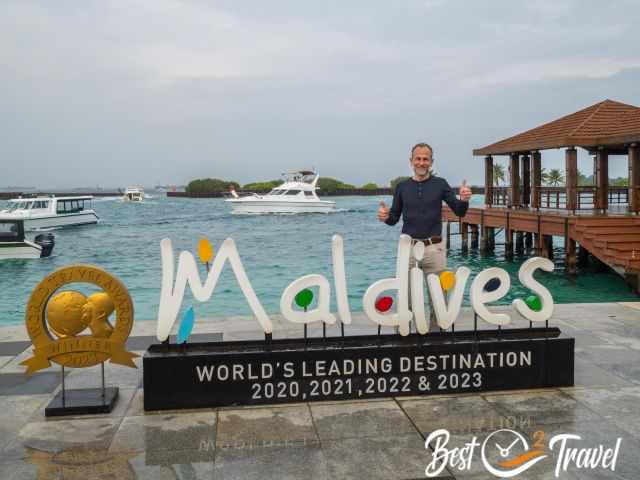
x=114, y=93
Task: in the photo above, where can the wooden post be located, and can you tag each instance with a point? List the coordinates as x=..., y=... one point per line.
x=519, y=243
x=464, y=237
x=528, y=240
x=488, y=180
x=602, y=179
x=448, y=244
x=571, y=176
x=633, y=280
x=492, y=238
x=536, y=180
x=634, y=178
x=484, y=239
x=508, y=243
x=570, y=259
x=583, y=256
x=514, y=181
x=508, y=239
x=526, y=180
x=547, y=246
x=474, y=236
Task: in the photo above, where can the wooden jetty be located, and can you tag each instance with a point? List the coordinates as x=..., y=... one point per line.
x=599, y=220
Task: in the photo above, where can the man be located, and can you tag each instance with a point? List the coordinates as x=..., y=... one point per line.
x=419, y=201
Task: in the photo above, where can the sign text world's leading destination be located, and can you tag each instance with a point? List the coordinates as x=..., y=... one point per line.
x=335, y=369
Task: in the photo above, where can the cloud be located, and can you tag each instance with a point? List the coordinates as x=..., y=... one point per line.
x=185, y=88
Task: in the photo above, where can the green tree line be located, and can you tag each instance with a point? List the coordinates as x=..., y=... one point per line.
x=555, y=178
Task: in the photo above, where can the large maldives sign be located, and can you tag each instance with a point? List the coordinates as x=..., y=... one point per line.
x=272, y=371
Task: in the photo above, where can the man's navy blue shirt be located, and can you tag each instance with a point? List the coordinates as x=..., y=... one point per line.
x=420, y=204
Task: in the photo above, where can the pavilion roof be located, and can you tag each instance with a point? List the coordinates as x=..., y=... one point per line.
x=607, y=123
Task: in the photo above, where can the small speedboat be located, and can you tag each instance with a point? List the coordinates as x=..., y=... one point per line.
x=49, y=212
x=296, y=195
x=133, y=194
x=14, y=245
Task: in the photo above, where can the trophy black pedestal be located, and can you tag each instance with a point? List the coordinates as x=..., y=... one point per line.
x=82, y=402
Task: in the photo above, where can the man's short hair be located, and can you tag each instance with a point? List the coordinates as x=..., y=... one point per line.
x=421, y=145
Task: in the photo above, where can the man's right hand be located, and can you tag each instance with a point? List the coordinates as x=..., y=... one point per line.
x=383, y=212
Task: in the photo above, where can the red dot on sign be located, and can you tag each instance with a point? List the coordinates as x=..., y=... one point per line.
x=384, y=303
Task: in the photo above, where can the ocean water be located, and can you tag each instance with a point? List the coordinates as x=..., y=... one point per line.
x=275, y=250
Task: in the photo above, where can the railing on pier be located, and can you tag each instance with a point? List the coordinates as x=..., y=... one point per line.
x=556, y=197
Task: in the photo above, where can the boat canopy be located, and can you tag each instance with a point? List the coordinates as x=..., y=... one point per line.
x=11, y=231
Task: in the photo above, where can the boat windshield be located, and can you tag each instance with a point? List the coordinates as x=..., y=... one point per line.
x=276, y=191
x=9, y=231
x=20, y=206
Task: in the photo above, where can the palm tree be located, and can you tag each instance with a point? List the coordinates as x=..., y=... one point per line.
x=498, y=174
x=554, y=177
x=544, y=176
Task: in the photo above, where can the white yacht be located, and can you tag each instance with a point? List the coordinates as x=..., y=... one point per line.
x=133, y=194
x=14, y=245
x=48, y=212
x=296, y=195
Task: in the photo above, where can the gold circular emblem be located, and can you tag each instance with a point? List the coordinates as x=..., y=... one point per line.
x=68, y=313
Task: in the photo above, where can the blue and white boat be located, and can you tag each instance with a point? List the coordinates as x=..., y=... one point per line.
x=296, y=195
x=49, y=212
x=14, y=245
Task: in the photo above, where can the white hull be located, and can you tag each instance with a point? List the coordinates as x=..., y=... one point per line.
x=269, y=206
x=20, y=250
x=60, y=220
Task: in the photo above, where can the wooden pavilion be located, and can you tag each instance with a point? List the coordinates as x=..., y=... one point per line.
x=603, y=220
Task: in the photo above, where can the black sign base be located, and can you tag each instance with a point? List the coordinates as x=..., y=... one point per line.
x=337, y=368
x=82, y=402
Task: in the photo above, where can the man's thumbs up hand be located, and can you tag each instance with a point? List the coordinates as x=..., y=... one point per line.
x=383, y=212
x=465, y=191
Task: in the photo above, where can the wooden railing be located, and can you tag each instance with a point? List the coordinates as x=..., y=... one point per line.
x=556, y=197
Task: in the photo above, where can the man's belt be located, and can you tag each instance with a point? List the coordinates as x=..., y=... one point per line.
x=428, y=241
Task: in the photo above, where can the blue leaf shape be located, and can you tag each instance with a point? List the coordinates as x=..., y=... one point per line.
x=186, y=325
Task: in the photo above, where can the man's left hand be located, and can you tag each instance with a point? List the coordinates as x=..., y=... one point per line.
x=465, y=192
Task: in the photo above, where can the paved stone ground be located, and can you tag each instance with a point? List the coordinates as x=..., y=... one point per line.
x=372, y=439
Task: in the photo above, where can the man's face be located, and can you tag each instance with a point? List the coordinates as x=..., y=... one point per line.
x=421, y=161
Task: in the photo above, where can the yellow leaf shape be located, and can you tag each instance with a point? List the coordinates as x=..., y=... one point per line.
x=205, y=250
x=447, y=280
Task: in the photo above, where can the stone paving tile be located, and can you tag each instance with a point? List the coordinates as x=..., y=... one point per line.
x=136, y=407
x=20, y=384
x=125, y=396
x=13, y=348
x=13, y=366
x=360, y=419
x=264, y=426
x=634, y=305
x=588, y=374
x=383, y=457
x=5, y=360
x=26, y=470
x=459, y=415
x=60, y=436
x=592, y=434
x=543, y=407
x=618, y=360
x=171, y=465
x=190, y=431
x=15, y=411
x=114, y=375
x=620, y=406
x=288, y=462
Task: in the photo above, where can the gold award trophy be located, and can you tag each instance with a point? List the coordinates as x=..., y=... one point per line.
x=57, y=321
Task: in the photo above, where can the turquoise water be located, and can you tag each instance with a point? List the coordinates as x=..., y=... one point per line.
x=275, y=250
